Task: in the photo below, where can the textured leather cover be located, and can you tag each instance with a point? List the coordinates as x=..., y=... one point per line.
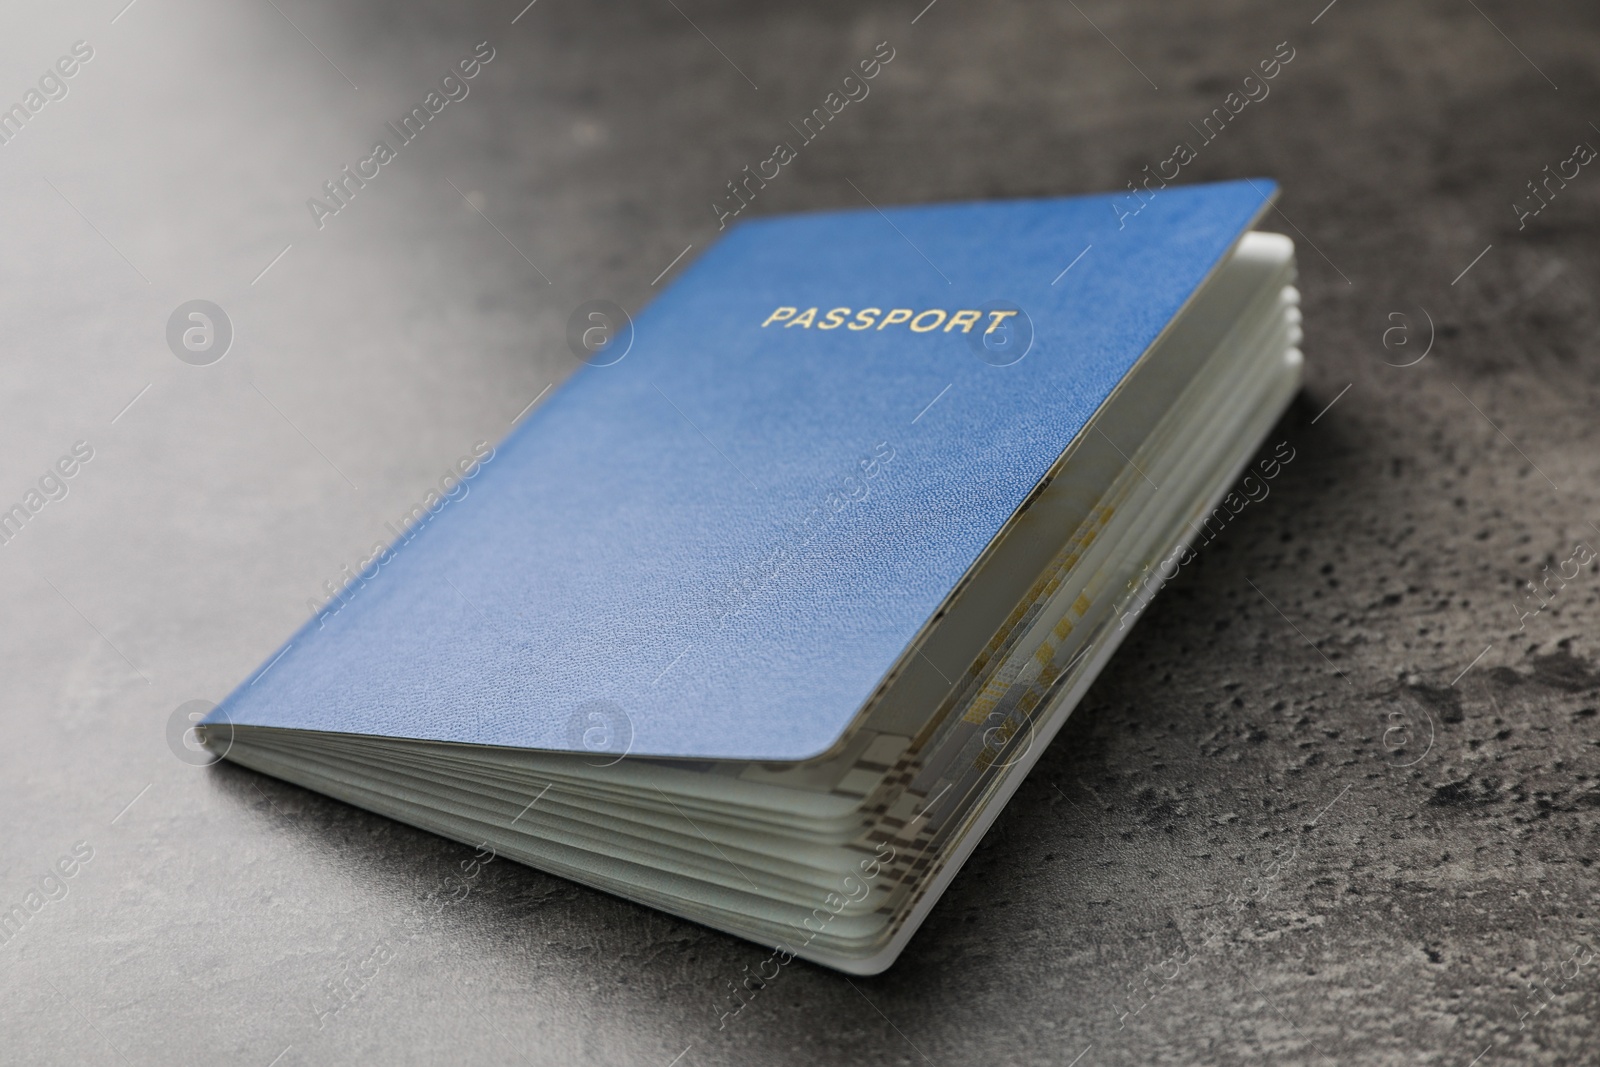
x=721, y=543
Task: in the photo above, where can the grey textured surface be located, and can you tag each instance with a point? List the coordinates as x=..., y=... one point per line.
x=1285, y=826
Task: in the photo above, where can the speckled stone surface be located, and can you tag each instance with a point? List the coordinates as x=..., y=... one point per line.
x=1334, y=801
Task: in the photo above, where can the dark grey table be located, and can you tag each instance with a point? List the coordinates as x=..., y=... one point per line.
x=1333, y=802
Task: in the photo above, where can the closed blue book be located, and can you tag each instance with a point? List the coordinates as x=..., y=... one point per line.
x=787, y=554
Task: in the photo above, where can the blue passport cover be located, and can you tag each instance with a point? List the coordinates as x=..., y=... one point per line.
x=721, y=543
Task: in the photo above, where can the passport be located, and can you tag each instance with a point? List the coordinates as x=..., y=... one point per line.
x=762, y=615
